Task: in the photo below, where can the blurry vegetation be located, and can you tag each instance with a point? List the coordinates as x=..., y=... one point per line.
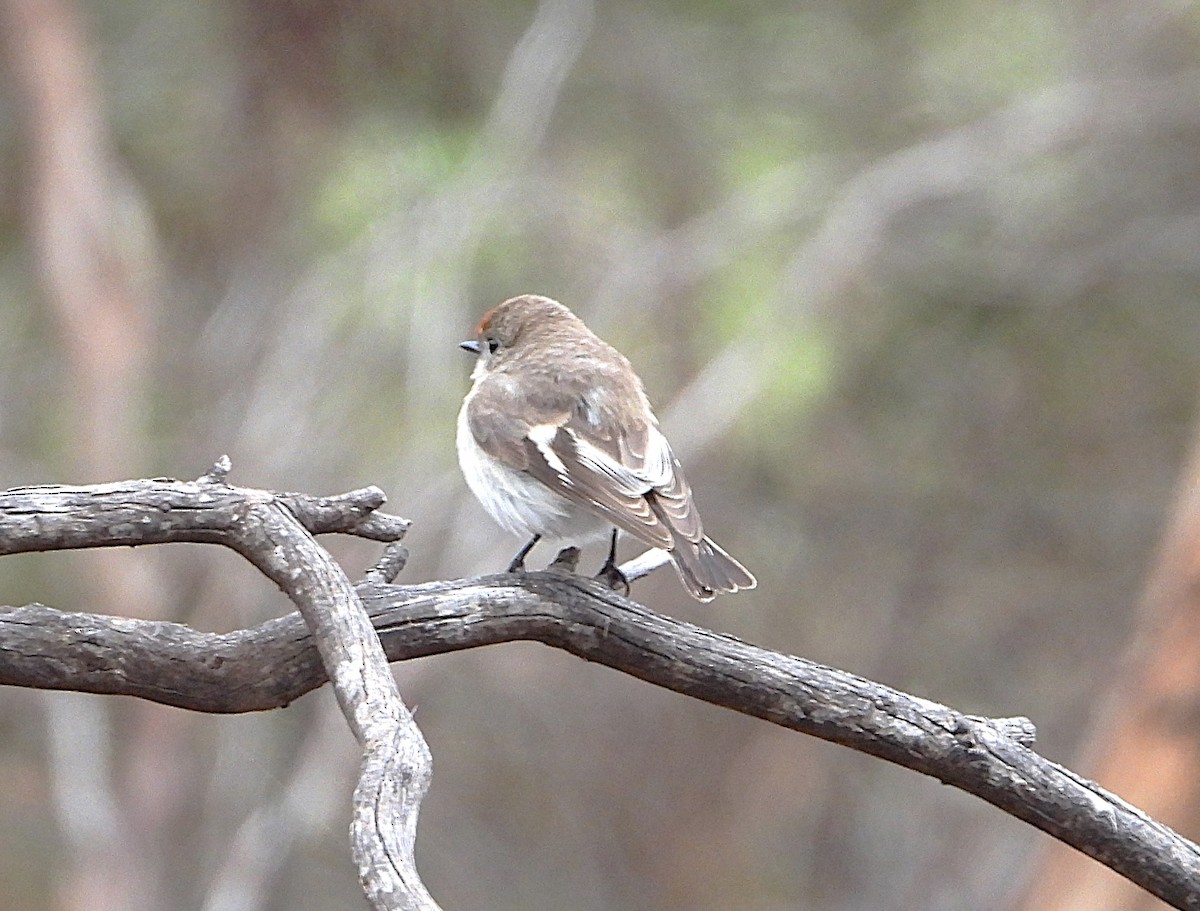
x=914, y=285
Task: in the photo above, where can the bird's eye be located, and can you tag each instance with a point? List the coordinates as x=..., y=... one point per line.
x=492, y=345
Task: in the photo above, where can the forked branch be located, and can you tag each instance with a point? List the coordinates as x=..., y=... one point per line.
x=275, y=533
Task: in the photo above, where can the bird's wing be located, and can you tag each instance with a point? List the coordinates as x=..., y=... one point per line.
x=576, y=444
x=639, y=458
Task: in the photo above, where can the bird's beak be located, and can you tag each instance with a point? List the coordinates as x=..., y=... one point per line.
x=472, y=346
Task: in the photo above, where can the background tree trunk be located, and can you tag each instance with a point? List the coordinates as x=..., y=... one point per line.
x=89, y=235
x=1146, y=742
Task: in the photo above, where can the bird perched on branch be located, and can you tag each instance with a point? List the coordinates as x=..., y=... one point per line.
x=556, y=439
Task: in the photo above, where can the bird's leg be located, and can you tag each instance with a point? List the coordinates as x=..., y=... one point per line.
x=609, y=574
x=566, y=561
x=518, y=562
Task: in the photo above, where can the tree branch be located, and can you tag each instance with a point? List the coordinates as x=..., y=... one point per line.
x=273, y=532
x=276, y=662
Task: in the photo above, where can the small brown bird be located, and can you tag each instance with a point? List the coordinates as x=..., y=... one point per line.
x=556, y=439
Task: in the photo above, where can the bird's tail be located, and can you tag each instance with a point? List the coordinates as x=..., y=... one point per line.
x=705, y=569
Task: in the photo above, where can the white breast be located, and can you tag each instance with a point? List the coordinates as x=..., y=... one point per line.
x=519, y=503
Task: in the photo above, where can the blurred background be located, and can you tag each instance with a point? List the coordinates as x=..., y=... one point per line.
x=912, y=284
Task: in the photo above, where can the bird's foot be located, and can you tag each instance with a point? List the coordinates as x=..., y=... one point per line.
x=613, y=578
x=566, y=562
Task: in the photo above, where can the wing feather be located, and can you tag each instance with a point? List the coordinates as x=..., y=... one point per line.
x=605, y=490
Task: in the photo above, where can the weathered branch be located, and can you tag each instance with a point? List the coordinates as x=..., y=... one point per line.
x=273, y=532
x=272, y=664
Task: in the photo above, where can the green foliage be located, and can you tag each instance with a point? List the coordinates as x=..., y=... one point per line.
x=976, y=55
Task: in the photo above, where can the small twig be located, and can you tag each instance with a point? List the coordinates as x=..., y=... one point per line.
x=218, y=471
x=388, y=566
x=645, y=563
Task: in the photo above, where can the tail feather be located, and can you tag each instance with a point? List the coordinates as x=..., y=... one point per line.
x=705, y=569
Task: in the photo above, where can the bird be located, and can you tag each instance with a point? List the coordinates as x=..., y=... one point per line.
x=557, y=440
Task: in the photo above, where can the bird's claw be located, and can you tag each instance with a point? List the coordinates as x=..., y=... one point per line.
x=613, y=578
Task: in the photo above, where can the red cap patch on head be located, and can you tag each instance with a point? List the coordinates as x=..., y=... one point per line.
x=485, y=323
